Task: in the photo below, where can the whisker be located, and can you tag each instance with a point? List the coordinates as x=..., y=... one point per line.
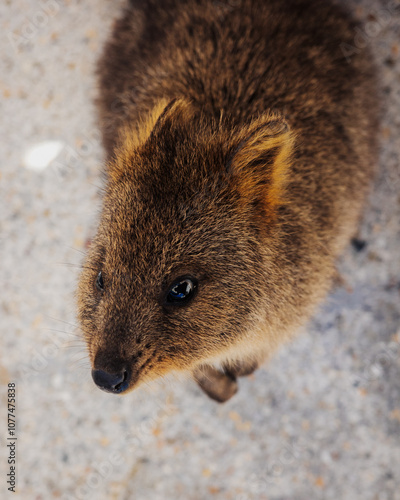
x=80, y=362
x=68, y=264
x=72, y=346
x=62, y=321
x=76, y=249
x=147, y=383
x=85, y=356
x=69, y=334
x=100, y=188
x=76, y=266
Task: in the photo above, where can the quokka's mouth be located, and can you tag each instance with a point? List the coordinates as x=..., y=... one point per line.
x=117, y=376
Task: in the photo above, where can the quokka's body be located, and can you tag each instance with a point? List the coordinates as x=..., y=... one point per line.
x=240, y=144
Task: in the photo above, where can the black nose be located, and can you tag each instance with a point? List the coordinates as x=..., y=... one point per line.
x=111, y=382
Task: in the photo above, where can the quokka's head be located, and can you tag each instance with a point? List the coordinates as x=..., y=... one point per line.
x=175, y=271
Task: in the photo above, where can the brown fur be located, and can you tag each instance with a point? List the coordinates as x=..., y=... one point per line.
x=240, y=146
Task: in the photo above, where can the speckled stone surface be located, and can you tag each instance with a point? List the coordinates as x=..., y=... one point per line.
x=320, y=421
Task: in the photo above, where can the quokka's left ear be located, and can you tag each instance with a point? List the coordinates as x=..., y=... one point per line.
x=260, y=165
x=164, y=114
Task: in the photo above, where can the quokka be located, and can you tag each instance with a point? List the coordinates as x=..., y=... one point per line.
x=240, y=143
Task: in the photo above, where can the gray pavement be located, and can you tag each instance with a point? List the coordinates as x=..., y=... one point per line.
x=320, y=421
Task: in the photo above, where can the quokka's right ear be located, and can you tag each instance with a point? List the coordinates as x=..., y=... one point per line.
x=260, y=165
x=138, y=134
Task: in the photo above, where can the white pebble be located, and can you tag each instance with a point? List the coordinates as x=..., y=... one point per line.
x=39, y=157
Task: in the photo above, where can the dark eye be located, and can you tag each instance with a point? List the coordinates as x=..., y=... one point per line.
x=100, y=282
x=182, y=291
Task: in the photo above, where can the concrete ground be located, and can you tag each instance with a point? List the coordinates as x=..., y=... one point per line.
x=320, y=421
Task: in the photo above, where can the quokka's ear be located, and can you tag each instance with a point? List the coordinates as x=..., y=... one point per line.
x=133, y=136
x=175, y=113
x=260, y=165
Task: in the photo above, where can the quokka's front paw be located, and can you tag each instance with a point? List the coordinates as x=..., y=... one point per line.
x=216, y=384
x=241, y=368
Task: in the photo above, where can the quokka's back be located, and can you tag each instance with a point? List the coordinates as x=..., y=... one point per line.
x=241, y=138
